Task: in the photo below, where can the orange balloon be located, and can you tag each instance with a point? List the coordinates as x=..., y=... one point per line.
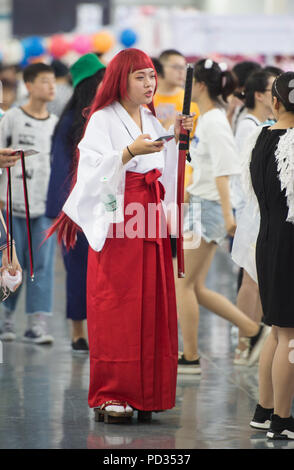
x=102, y=42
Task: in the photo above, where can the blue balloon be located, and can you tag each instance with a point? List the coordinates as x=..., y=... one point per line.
x=24, y=62
x=33, y=47
x=128, y=37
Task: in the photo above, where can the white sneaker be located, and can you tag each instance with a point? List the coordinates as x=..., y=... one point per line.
x=7, y=332
x=38, y=334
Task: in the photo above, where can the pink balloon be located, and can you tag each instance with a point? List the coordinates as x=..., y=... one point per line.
x=148, y=10
x=82, y=44
x=58, y=46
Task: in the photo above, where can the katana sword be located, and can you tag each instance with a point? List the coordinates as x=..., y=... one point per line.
x=183, y=155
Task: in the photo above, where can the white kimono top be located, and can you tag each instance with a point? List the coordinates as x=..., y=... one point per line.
x=101, y=172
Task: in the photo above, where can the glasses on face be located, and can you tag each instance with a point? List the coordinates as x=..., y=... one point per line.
x=178, y=68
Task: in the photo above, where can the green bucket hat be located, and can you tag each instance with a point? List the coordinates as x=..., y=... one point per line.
x=85, y=67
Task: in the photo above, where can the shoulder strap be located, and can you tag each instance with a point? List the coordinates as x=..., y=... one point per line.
x=249, y=118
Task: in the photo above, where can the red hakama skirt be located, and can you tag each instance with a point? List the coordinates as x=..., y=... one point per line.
x=131, y=310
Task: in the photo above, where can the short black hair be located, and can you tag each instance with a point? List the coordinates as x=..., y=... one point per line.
x=168, y=53
x=59, y=68
x=31, y=72
x=273, y=70
x=257, y=81
x=244, y=69
x=158, y=66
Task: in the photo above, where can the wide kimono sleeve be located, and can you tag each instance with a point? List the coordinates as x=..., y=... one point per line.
x=96, y=200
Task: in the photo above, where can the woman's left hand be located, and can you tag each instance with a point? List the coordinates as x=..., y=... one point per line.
x=186, y=121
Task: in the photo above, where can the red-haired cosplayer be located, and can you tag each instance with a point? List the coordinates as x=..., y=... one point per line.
x=122, y=174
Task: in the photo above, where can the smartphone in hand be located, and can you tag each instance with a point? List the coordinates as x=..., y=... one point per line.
x=165, y=138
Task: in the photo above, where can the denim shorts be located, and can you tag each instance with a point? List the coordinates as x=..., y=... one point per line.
x=205, y=218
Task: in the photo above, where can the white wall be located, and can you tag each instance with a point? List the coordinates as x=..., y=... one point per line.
x=221, y=6
x=5, y=19
x=248, y=6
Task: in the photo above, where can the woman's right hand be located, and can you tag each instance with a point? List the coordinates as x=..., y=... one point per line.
x=7, y=159
x=144, y=145
x=141, y=146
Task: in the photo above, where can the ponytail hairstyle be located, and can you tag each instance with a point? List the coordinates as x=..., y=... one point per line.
x=112, y=88
x=283, y=90
x=219, y=82
x=257, y=82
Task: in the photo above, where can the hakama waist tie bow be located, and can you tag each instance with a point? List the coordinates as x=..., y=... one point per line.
x=150, y=218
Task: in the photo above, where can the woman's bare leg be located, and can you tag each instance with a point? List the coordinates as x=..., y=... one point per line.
x=78, y=329
x=220, y=305
x=193, y=290
x=248, y=301
x=195, y=260
x=283, y=373
x=266, y=392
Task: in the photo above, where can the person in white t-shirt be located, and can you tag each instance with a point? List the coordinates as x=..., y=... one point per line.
x=257, y=96
x=215, y=161
x=258, y=100
x=257, y=93
x=31, y=127
x=237, y=109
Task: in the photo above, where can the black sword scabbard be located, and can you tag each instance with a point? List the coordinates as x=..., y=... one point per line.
x=187, y=105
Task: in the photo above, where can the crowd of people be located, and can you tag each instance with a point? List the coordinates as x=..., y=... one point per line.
x=98, y=132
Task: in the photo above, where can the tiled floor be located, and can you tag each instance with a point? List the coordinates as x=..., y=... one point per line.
x=43, y=392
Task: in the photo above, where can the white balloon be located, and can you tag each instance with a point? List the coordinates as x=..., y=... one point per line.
x=12, y=52
x=70, y=58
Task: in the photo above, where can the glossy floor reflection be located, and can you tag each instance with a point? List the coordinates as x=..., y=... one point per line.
x=43, y=392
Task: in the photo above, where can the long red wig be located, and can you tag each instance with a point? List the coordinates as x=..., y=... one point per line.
x=113, y=87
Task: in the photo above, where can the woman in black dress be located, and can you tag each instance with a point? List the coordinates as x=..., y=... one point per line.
x=272, y=175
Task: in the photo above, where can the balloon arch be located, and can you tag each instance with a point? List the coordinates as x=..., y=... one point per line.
x=59, y=46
